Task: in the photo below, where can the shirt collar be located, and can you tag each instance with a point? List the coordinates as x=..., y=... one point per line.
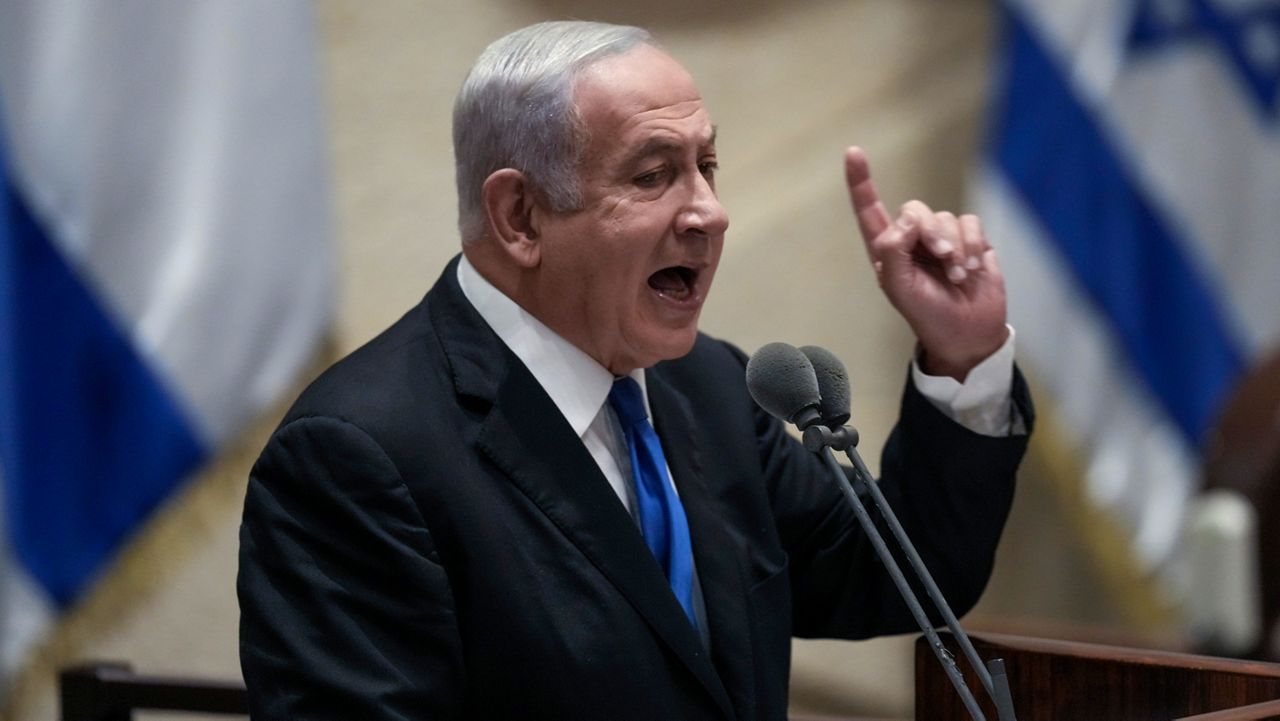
x=576, y=383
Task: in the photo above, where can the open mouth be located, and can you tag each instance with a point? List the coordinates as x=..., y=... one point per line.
x=678, y=283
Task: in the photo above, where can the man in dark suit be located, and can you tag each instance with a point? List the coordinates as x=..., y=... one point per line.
x=542, y=494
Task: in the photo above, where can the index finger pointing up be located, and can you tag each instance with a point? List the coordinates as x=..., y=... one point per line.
x=873, y=219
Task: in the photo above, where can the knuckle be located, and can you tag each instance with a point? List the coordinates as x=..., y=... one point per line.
x=884, y=241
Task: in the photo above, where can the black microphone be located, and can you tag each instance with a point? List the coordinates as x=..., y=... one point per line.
x=786, y=382
x=781, y=380
x=833, y=385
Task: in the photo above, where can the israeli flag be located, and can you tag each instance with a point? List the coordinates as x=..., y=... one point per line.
x=165, y=264
x=1132, y=185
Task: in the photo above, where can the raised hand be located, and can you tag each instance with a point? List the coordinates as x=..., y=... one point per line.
x=938, y=271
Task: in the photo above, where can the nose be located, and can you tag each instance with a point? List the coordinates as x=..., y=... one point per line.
x=702, y=214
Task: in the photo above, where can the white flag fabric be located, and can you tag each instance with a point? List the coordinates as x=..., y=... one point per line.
x=1132, y=183
x=165, y=263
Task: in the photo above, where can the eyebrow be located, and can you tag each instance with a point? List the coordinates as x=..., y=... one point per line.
x=660, y=145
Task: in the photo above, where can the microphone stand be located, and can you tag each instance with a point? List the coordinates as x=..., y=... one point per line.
x=821, y=440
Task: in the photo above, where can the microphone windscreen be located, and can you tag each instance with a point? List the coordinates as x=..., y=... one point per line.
x=780, y=379
x=833, y=384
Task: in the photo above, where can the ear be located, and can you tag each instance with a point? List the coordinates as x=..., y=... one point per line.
x=510, y=204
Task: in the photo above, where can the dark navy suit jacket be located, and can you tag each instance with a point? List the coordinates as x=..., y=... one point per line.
x=425, y=537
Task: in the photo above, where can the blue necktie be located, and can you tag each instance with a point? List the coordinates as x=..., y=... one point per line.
x=662, y=519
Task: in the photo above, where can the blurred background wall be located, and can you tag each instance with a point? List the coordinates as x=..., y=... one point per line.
x=790, y=85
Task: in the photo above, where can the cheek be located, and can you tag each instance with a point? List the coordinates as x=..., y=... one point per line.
x=625, y=245
x=613, y=206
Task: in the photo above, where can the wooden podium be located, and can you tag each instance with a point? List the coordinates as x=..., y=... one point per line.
x=1067, y=681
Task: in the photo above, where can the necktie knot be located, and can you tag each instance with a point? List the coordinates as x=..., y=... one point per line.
x=627, y=401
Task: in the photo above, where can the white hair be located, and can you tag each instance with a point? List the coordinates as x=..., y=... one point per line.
x=516, y=110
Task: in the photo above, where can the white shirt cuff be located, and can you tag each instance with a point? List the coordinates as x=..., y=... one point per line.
x=984, y=402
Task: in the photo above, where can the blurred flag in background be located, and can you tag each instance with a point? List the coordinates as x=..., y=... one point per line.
x=165, y=264
x=1132, y=179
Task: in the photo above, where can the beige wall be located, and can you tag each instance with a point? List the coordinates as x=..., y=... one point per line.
x=790, y=84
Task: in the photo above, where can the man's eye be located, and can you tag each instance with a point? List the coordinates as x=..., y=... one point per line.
x=651, y=178
x=708, y=167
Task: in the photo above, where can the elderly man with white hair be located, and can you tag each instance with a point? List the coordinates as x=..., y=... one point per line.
x=544, y=494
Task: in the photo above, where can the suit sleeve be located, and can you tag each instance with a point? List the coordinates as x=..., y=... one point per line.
x=345, y=609
x=951, y=489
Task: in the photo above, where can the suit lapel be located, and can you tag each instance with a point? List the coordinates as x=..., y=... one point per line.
x=527, y=437
x=718, y=554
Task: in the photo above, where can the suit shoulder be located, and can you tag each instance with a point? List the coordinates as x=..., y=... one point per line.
x=377, y=377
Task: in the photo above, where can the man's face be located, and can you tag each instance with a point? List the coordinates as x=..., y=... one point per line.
x=626, y=276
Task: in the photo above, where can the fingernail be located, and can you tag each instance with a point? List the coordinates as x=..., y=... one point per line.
x=907, y=222
x=956, y=274
x=972, y=262
x=943, y=247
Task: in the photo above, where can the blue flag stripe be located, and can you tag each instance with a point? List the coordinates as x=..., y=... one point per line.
x=90, y=440
x=1129, y=261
